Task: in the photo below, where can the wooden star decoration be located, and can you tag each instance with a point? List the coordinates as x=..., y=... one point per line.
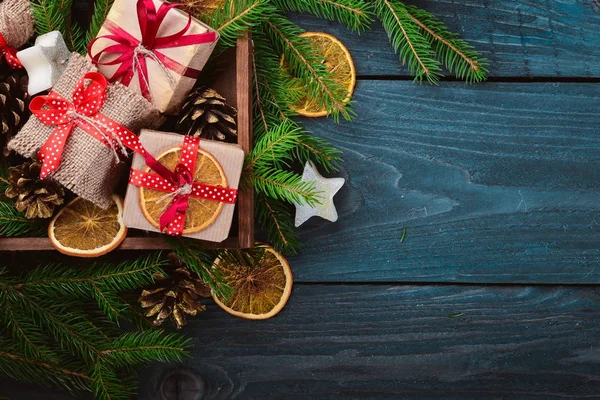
x=327, y=188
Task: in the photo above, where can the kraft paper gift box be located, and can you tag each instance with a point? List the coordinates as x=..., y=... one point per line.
x=172, y=66
x=229, y=156
x=88, y=166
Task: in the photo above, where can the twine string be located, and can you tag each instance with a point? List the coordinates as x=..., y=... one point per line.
x=141, y=51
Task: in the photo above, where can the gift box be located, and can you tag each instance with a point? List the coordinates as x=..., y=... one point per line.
x=195, y=197
x=80, y=150
x=16, y=22
x=16, y=28
x=154, y=48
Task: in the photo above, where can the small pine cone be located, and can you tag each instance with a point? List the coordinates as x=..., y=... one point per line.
x=14, y=103
x=38, y=198
x=174, y=296
x=206, y=114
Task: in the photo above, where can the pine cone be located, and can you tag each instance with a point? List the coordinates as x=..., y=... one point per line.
x=14, y=102
x=174, y=296
x=36, y=197
x=206, y=114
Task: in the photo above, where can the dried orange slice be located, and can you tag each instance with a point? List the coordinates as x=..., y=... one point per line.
x=82, y=229
x=261, y=289
x=200, y=213
x=338, y=60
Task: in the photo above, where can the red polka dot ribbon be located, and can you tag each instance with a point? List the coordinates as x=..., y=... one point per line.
x=88, y=98
x=132, y=52
x=180, y=183
x=9, y=54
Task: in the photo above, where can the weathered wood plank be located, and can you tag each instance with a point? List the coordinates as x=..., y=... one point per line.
x=520, y=39
x=494, y=182
x=401, y=342
x=336, y=342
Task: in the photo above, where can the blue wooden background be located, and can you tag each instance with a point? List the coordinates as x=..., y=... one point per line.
x=494, y=292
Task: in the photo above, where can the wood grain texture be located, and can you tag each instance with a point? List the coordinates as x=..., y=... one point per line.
x=400, y=342
x=245, y=96
x=544, y=38
x=390, y=342
x=130, y=243
x=494, y=183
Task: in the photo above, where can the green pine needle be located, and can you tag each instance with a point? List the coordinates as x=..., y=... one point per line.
x=353, y=13
x=275, y=217
x=305, y=62
x=408, y=41
x=13, y=223
x=57, y=330
x=236, y=17
x=201, y=261
x=457, y=55
x=101, y=9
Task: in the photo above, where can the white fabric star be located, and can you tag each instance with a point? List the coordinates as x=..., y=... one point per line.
x=45, y=61
x=327, y=188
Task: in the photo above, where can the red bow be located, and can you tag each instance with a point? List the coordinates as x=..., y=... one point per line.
x=131, y=61
x=181, y=183
x=55, y=110
x=9, y=54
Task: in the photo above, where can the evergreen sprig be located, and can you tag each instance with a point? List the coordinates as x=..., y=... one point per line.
x=54, y=335
x=425, y=44
x=13, y=223
x=236, y=17
x=355, y=14
x=275, y=217
x=304, y=61
x=200, y=261
x=101, y=9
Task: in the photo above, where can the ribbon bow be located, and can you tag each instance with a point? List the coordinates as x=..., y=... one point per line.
x=9, y=53
x=89, y=96
x=179, y=185
x=133, y=52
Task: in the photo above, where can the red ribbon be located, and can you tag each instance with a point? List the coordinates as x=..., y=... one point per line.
x=9, y=54
x=173, y=219
x=150, y=21
x=89, y=96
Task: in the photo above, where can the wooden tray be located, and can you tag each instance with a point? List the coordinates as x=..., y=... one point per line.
x=235, y=84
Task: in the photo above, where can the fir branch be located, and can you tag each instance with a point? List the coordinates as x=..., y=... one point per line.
x=49, y=15
x=273, y=92
x=305, y=62
x=128, y=275
x=275, y=217
x=101, y=9
x=312, y=148
x=133, y=348
x=355, y=14
x=407, y=39
x=201, y=261
x=236, y=17
x=284, y=185
x=457, y=55
x=13, y=223
x=62, y=337
x=19, y=366
x=275, y=148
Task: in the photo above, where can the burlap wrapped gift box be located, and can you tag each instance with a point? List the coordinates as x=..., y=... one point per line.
x=88, y=167
x=16, y=22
